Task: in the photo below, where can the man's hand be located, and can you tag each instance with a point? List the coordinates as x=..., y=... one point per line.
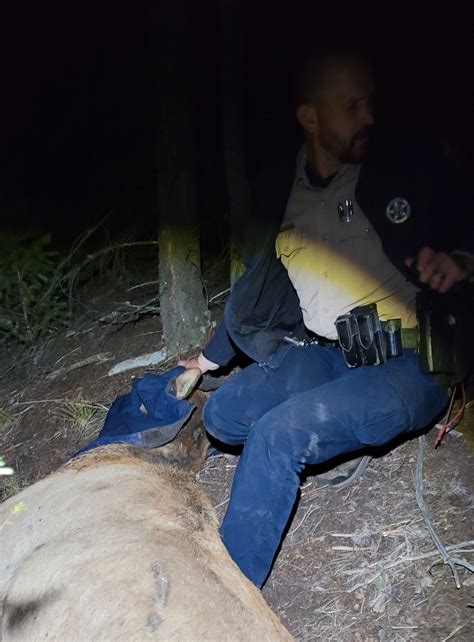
x=440, y=270
x=191, y=363
x=200, y=362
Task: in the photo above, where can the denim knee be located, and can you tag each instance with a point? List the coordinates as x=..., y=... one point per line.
x=219, y=422
x=211, y=418
x=296, y=434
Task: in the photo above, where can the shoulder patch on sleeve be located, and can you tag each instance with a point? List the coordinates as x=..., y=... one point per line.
x=398, y=210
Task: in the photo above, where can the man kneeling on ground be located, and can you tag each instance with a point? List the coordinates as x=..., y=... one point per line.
x=349, y=235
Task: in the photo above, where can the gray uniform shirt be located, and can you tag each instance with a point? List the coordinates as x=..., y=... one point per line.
x=333, y=265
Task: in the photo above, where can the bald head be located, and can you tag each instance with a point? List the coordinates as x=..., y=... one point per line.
x=320, y=70
x=334, y=106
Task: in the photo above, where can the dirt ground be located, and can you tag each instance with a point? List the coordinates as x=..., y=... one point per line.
x=357, y=563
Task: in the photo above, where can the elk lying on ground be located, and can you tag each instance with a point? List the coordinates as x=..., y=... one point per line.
x=122, y=544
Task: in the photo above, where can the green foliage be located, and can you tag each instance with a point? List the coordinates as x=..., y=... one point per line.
x=84, y=416
x=10, y=486
x=31, y=301
x=6, y=417
x=38, y=288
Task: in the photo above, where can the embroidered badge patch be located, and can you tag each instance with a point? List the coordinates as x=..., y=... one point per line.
x=398, y=210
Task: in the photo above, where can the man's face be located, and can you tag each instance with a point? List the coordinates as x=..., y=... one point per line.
x=345, y=113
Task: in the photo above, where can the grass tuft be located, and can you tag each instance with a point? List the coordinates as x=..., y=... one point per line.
x=10, y=486
x=84, y=417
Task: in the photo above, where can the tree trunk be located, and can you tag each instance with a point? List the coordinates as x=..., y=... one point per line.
x=184, y=312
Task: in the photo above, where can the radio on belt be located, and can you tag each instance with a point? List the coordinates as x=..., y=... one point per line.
x=365, y=340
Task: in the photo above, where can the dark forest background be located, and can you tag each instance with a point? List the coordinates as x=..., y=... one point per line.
x=82, y=89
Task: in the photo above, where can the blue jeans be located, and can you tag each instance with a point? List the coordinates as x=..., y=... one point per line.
x=312, y=407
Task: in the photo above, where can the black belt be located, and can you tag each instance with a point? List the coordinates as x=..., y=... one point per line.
x=409, y=339
x=322, y=341
x=333, y=343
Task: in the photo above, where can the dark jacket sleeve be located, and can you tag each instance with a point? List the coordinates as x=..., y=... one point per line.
x=262, y=306
x=220, y=348
x=436, y=199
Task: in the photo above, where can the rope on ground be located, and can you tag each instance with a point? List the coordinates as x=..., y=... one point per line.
x=354, y=476
x=447, y=559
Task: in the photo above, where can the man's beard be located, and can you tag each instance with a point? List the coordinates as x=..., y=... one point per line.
x=350, y=152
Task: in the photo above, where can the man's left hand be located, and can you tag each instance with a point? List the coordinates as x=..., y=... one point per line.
x=439, y=269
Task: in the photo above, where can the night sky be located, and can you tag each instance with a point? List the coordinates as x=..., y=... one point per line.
x=80, y=86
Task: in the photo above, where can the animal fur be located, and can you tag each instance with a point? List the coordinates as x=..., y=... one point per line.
x=122, y=544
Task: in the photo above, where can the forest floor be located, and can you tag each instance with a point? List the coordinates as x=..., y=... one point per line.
x=357, y=562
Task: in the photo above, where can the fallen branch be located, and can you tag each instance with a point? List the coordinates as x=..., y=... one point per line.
x=402, y=560
x=218, y=295
x=101, y=357
x=143, y=285
x=130, y=312
x=144, y=360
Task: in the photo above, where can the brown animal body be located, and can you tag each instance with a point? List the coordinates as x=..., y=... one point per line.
x=117, y=547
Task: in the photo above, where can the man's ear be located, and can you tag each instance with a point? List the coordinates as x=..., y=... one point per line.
x=307, y=117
